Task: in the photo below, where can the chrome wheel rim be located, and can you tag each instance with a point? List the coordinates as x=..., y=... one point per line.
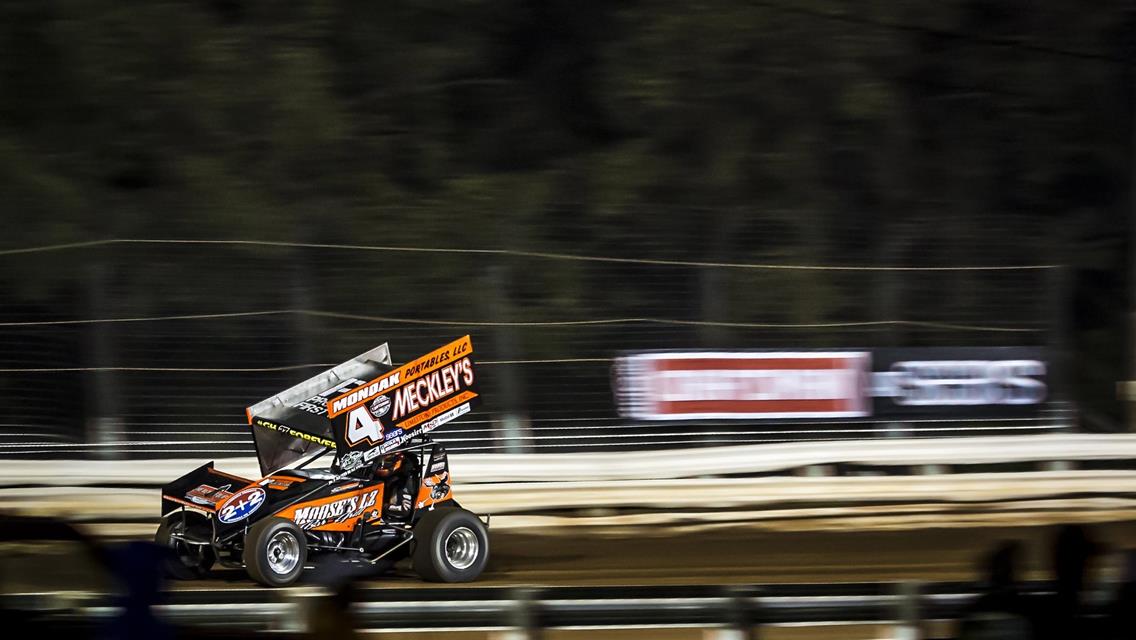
x=461, y=548
x=283, y=552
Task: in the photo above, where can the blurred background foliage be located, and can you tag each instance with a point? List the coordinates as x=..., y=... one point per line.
x=816, y=132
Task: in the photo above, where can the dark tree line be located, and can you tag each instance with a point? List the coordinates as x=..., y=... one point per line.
x=878, y=133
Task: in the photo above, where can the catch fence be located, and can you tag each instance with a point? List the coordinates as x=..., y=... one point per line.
x=153, y=348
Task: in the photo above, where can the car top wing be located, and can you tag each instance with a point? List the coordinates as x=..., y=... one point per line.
x=408, y=401
x=293, y=425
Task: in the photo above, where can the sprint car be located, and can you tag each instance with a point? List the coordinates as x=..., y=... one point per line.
x=385, y=496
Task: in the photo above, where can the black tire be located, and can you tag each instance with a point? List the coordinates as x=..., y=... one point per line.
x=450, y=545
x=275, y=552
x=186, y=561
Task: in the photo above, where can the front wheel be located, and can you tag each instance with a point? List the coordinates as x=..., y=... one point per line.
x=451, y=545
x=275, y=551
x=187, y=561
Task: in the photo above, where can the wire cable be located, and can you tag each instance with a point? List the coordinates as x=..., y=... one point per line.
x=526, y=254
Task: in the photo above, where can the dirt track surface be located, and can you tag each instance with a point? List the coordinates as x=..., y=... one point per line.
x=580, y=556
x=744, y=555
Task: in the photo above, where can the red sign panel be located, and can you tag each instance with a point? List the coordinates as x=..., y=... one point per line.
x=744, y=385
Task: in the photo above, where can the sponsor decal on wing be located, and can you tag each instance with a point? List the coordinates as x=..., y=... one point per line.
x=412, y=371
x=317, y=404
x=207, y=495
x=380, y=406
x=293, y=432
x=409, y=401
x=241, y=505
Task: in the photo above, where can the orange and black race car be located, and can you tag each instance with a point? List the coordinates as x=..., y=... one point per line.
x=385, y=496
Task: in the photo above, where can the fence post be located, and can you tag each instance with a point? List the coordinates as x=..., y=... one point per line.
x=103, y=417
x=713, y=282
x=304, y=326
x=713, y=307
x=908, y=623
x=510, y=393
x=742, y=615
x=1060, y=307
x=887, y=290
x=522, y=617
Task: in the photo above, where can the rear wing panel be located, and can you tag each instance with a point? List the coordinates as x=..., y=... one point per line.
x=408, y=401
x=315, y=390
x=203, y=488
x=293, y=425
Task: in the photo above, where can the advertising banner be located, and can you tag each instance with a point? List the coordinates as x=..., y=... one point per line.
x=742, y=385
x=886, y=383
x=959, y=381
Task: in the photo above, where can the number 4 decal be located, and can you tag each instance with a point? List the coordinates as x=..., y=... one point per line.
x=361, y=426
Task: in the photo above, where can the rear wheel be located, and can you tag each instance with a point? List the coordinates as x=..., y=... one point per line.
x=451, y=545
x=188, y=561
x=275, y=551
